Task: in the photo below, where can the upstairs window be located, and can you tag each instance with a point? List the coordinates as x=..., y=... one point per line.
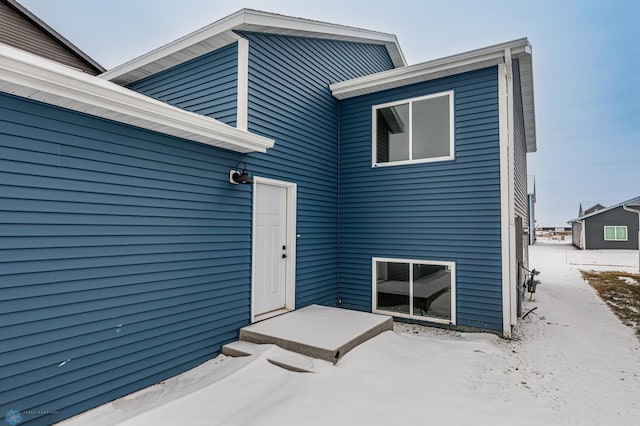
x=416, y=130
x=615, y=233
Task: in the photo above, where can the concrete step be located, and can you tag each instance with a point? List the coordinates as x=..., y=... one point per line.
x=280, y=357
x=240, y=348
x=318, y=331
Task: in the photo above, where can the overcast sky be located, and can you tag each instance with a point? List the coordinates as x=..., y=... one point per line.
x=586, y=58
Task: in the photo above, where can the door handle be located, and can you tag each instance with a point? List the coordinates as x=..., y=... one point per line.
x=284, y=255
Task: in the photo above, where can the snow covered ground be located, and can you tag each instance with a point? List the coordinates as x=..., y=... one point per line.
x=571, y=363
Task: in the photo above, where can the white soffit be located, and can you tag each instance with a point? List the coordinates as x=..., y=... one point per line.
x=31, y=76
x=221, y=33
x=451, y=65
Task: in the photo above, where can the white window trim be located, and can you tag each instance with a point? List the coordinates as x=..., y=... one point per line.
x=410, y=101
x=411, y=262
x=615, y=233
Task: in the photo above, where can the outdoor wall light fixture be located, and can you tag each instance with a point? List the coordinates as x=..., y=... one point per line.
x=236, y=177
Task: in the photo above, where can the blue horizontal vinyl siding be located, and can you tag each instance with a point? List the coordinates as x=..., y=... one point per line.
x=125, y=258
x=290, y=101
x=520, y=149
x=447, y=211
x=207, y=85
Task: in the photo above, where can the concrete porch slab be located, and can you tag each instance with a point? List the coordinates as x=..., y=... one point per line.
x=318, y=331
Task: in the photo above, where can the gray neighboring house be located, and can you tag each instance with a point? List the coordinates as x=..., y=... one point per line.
x=614, y=227
x=23, y=30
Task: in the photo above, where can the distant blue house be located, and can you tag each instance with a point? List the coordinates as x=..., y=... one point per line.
x=130, y=254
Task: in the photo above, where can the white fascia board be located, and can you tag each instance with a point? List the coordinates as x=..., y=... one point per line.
x=528, y=105
x=450, y=65
x=224, y=25
x=31, y=76
x=221, y=33
x=259, y=21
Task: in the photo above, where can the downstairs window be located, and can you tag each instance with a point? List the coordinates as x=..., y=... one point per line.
x=414, y=289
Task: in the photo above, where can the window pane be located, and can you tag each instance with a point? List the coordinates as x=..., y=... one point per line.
x=431, y=136
x=392, y=133
x=392, y=286
x=621, y=233
x=432, y=291
x=609, y=233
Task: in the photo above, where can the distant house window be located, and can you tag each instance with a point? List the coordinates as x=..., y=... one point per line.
x=615, y=233
x=415, y=289
x=414, y=131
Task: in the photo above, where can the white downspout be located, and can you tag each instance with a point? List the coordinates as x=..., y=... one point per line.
x=629, y=209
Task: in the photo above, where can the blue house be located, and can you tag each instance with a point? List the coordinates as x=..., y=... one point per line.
x=130, y=252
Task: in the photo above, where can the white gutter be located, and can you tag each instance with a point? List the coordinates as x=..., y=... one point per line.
x=30, y=76
x=629, y=209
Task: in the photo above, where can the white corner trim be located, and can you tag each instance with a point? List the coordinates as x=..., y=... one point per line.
x=513, y=276
x=242, y=113
x=30, y=76
x=505, y=239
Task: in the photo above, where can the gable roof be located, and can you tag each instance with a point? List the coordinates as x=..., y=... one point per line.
x=450, y=65
x=221, y=33
x=633, y=203
x=15, y=40
x=31, y=76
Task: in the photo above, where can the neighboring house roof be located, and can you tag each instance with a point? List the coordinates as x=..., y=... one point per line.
x=450, y=65
x=594, y=208
x=633, y=203
x=21, y=37
x=30, y=76
x=221, y=33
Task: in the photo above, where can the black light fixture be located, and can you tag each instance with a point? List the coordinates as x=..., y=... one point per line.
x=236, y=177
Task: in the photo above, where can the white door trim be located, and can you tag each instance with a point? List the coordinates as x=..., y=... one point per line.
x=290, y=269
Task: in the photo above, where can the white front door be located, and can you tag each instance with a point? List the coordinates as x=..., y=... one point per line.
x=273, y=252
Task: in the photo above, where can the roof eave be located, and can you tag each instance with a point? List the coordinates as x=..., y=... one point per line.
x=221, y=33
x=451, y=65
x=198, y=42
x=33, y=77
